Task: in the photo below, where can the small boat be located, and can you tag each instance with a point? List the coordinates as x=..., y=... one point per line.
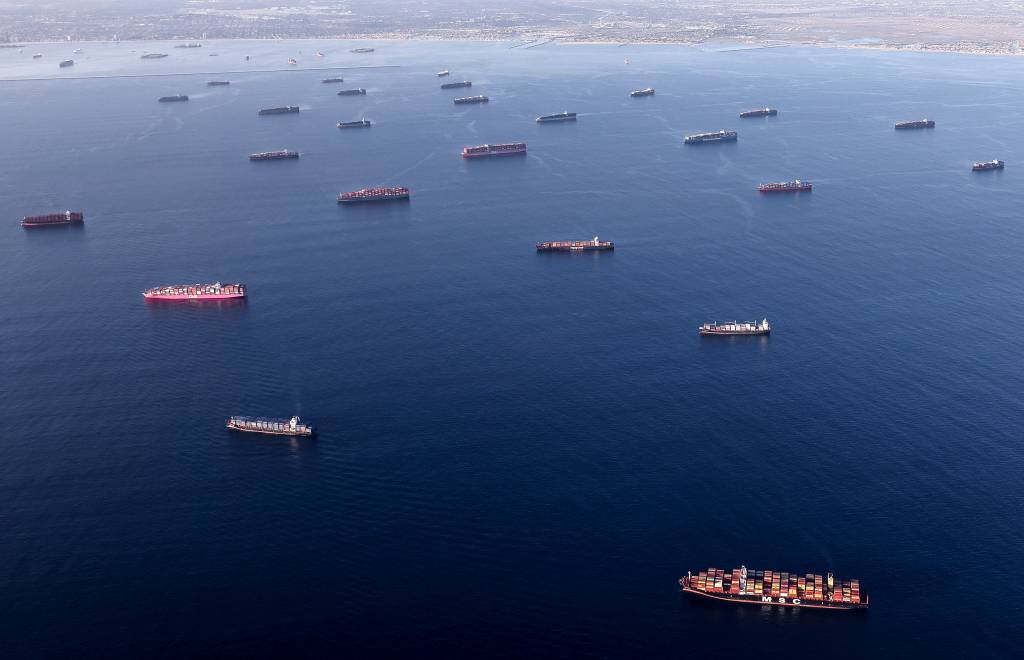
x=37, y=56
x=442, y=74
x=292, y=61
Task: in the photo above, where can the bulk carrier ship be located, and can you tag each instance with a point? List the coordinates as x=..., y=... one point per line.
x=362, y=123
x=595, y=245
x=917, y=123
x=332, y=80
x=456, y=85
x=647, y=91
x=270, y=426
x=215, y=291
x=352, y=92
x=776, y=588
x=717, y=136
x=463, y=100
x=560, y=116
x=53, y=219
x=785, y=186
x=374, y=195
x=176, y=98
x=760, y=112
x=489, y=150
x=284, y=154
x=734, y=329
x=283, y=110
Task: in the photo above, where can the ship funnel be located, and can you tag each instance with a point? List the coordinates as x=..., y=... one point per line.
x=293, y=422
x=596, y=241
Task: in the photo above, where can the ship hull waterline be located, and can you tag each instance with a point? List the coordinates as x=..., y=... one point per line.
x=775, y=602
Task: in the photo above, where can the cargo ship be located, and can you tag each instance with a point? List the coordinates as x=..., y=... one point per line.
x=442, y=74
x=561, y=116
x=595, y=245
x=218, y=83
x=990, y=165
x=361, y=50
x=215, y=291
x=37, y=56
x=352, y=92
x=743, y=585
x=785, y=186
x=734, y=328
x=917, y=123
x=66, y=63
x=176, y=98
x=464, y=100
x=189, y=45
x=279, y=111
x=284, y=154
x=292, y=61
x=761, y=112
x=374, y=195
x=270, y=426
x=154, y=56
x=456, y=85
x=488, y=150
x=647, y=91
x=53, y=219
x=717, y=136
x=333, y=80
x=362, y=123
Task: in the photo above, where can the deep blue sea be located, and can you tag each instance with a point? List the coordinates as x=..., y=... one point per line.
x=519, y=453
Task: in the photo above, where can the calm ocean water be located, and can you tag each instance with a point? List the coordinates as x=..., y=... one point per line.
x=519, y=453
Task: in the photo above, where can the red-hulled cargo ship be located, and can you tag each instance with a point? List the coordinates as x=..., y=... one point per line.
x=53, y=219
x=488, y=150
x=374, y=195
x=215, y=291
x=576, y=246
x=270, y=426
x=785, y=186
x=781, y=589
x=734, y=328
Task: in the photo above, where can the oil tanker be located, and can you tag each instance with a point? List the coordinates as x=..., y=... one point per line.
x=279, y=111
x=489, y=150
x=215, y=291
x=647, y=91
x=374, y=195
x=53, y=219
x=463, y=100
x=917, y=123
x=990, y=165
x=456, y=85
x=362, y=123
x=559, y=116
x=154, y=56
x=595, y=245
x=734, y=329
x=284, y=154
x=332, y=80
x=218, y=83
x=352, y=92
x=270, y=426
x=717, y=136
x=785, y=186
x=775, y=588
x=176, y=98
x=760, y=112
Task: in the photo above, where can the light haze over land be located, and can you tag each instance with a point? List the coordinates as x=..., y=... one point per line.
x=984, y=26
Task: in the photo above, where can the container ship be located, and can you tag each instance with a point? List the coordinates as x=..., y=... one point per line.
x=647, y=91
x=332, y=80
x=352, y=92
x=742, y=585
x=785, y=186
x=53, y=219
x=189, y=45
x=176, y=98
x=442, y=74
x=154, y=56
x=464, y=100
x=218, y=83
x=762, y=112
x=270, y=426
x=66, y=63
x=917, y=123
x=990, y=165
x=488, y=150
x=279, y=111
x=284, y=154
x=456, y=85
x=561, y=116
x=595, y=245
x=717, y=136
x=215, y=291
x=374, y=195
x=362, y=123
x=734, y=328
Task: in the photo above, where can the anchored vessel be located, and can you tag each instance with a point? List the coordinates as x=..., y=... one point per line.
x=362, y=123
x=761, y=112
x=218, y=83
x=561, y=116
x=742, y=585
x=37, y=56
x=442, y=74
x=576, y=246
x=279, y=111
x=292, y=61
x=66, y=63
x=647, y=91
x=332, y=80
x=785, y=186
x=374, y=195
x=990, y=165
x=173, y=99
x=488, y=150
x=274, y=155
x=270, y=426
x=215, y=291
x=734, y=328
x=53, y=219
x=463, y=100
x=917, y=123
x=717, y=136
x=154, y=56
x=456, y=85
x=189, y=45
x=352, y=92
x=361, y=50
